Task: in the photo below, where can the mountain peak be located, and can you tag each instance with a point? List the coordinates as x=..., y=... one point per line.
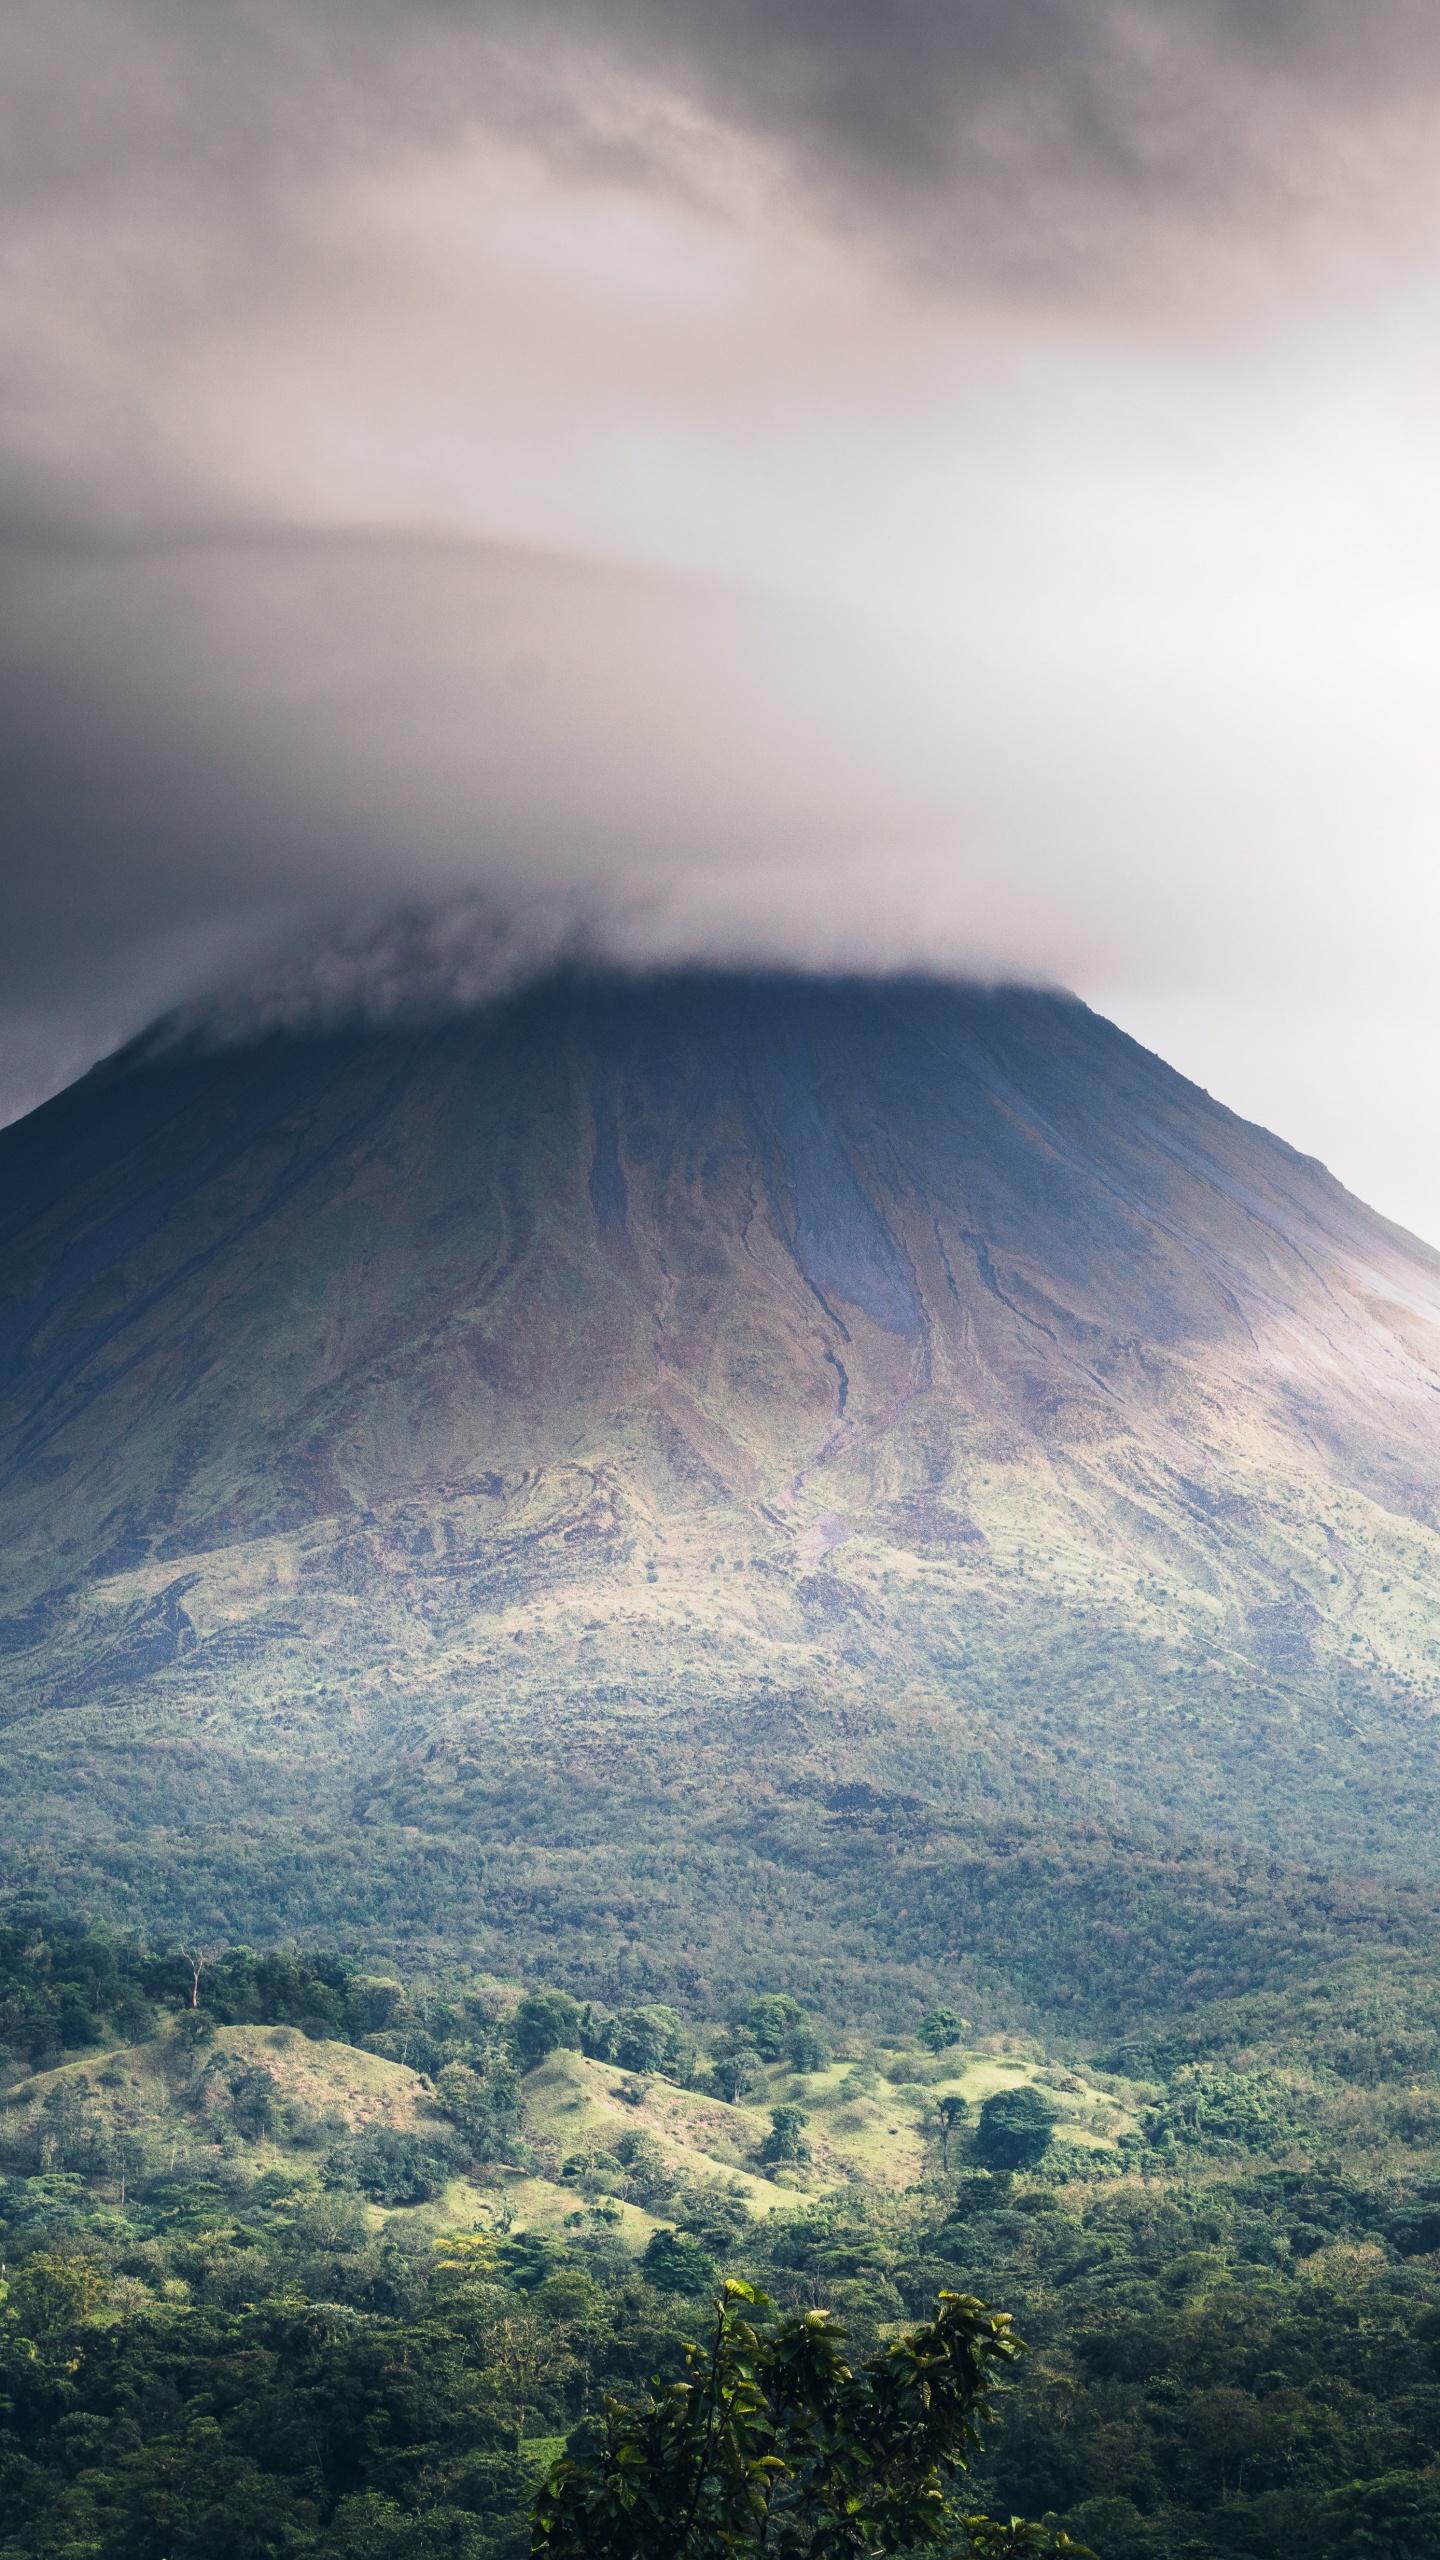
x=930, y=1357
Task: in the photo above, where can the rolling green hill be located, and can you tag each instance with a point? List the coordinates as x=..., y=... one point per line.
x=703, y=1480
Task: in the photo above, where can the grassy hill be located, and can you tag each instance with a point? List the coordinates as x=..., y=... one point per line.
x=280, y=2103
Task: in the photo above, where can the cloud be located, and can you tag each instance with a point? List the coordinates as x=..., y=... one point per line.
x=643, y=478
x=291, y=716
x=219, y=751
x=1062, y=148
x=312, y=258
x=1076, y=151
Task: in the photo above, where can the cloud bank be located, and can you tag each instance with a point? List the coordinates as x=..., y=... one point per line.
x=837, y=484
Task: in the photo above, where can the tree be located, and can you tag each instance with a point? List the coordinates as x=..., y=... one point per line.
x=951, y=2111
x=785, y=2139
x=678, y=2264
x=485, y=2105
x=807, y=2050
x=51, y=2296
x=769, y=2023
x=396, y=2168
x=736, y=2074
x=642, y=2040
x=1015, y=2129
x=254, y=2095
x=649, y=2178
x=774, y=2445
x=939, y=2028
x=543, y=2022
x=651, y=2039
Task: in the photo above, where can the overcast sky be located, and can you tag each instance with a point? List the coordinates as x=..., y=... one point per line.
x=940, y=482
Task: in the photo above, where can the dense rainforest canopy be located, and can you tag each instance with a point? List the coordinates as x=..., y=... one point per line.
x=306, y=2255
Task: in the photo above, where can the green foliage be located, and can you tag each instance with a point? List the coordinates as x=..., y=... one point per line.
x=1015, y=2128
x=1236, y=2321
x=252, y=2095
x=647, y=2175
x=543, y=2021
x=651, y=2038
x=485, y=2104
x=315, y=2431
x=940, y=2027
x=69, y=1985
x=1227, y=2113
x=769, y=2022
x=807, y=2049
x=394, y=2168
x=51, y=2296
x=772, y=2443
x=736, y=2075
x=786, y=2137
x=952, y=2112
x=676, y=2262
x=1012, y=2538
x=734, y=1867
x=66, y=1984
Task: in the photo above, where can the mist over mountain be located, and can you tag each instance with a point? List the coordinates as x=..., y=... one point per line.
x=660, y=1457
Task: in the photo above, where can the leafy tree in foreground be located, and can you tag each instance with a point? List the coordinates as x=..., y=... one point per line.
x=775, y=2446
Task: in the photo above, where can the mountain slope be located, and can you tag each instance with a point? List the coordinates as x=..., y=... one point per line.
x=560, y=1429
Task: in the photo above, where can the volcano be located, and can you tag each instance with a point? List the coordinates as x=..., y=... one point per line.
x=577, y=1468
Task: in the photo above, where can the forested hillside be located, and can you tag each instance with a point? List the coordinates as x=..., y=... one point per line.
x=304, y=2257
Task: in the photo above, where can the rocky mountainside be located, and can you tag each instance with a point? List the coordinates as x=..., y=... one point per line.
x=443, y=1444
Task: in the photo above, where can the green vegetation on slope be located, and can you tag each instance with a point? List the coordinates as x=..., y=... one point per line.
x=333, y=2259
x=903, y=1389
